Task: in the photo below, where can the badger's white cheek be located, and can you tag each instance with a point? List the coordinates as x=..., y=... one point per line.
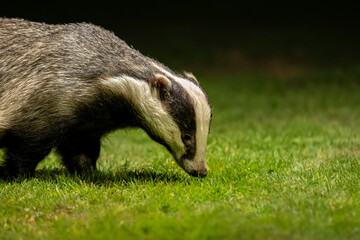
x=166, y=129
x=177, y=146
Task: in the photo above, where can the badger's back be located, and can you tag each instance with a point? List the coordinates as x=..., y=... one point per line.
x=73, y=50
x=43, y=66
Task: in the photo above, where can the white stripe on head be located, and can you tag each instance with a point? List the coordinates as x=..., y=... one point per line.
x=147, y=103
x=203, y=115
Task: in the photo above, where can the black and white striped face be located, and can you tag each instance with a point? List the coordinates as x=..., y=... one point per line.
x=175, y=112
x=188, y=119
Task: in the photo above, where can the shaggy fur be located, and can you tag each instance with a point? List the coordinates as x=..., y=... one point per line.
x=65, y=86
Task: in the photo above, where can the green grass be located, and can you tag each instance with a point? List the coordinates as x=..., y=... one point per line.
x=284, y=158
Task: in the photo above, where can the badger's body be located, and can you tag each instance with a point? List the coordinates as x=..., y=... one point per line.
x=65, y=86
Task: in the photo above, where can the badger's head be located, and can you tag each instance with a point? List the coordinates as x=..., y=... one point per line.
x=174, y=111
x=179, y=119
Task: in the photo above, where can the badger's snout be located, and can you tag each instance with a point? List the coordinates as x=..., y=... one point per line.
x=195, y=167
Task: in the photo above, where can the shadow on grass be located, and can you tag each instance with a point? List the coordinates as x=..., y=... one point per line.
x=123, y=176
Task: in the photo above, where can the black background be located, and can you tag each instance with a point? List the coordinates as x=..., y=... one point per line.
x=225, y=36
x=115, y=13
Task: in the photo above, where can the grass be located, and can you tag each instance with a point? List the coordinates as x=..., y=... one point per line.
x=284, y=158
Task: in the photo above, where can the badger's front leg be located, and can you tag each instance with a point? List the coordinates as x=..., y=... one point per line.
x=21, y=159
x=79, y=153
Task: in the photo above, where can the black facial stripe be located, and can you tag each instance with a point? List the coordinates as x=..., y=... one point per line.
x=181, y=108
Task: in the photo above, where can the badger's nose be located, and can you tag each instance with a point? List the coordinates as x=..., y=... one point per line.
x=202, y=173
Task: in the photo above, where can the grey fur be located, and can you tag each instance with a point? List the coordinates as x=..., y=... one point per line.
x=56, y=60
x=47, y=72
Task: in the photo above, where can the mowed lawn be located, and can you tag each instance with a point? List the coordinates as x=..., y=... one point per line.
x=284, y=163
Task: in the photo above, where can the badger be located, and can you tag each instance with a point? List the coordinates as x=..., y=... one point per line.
x=65, y=86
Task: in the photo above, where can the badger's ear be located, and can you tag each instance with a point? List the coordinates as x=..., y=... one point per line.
x=161, y=82
x=190, y=76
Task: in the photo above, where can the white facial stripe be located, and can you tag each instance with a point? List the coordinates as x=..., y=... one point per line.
x=146, y=101
x=203, y=113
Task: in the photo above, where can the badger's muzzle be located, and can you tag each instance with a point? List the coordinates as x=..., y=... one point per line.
x=195, y=167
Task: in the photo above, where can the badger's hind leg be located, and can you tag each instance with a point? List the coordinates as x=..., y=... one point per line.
x=79, y=153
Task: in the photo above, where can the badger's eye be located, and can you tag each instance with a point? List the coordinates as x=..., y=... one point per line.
x=187, y=138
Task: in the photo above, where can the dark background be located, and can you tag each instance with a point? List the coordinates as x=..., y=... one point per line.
x=248, y=36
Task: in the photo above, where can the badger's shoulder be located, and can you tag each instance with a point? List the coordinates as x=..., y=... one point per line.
x=71, y=36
